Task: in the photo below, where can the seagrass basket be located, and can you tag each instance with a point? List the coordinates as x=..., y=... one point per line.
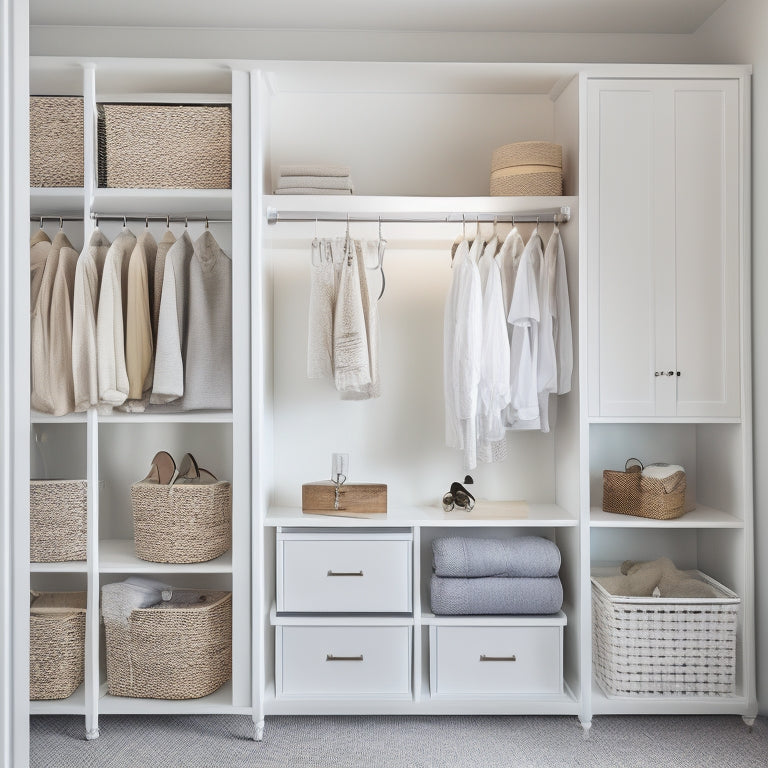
x=178, y=649
x=56, y=644
x=165, y=146
x=532, y=168
x=631, y=493
x=56, y=141
x=181, y=523
x=58, y=520
x=654, y=646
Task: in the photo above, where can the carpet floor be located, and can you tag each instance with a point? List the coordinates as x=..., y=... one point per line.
x=410, y=742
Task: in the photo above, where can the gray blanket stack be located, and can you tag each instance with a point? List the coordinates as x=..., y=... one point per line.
x=496, y=576
x=314, y=180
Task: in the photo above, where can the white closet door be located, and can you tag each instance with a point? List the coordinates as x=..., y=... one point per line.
x=706, y=120
x=622, y=236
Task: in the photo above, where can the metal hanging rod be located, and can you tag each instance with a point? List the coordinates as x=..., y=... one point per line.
x=560, y=216
x=115, y=217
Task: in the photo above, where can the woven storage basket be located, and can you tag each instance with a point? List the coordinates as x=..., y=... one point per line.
x=58, y=520
x=56, y=644
x=181, y=649
x=181, y=523
x=56, y=141
x=647, y=646
x=527, y=168
x=166, y=146
x=630, y=493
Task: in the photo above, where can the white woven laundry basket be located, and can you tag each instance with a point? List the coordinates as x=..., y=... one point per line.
x=652, y=646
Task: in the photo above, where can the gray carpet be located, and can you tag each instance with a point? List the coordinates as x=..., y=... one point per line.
x=412, y=742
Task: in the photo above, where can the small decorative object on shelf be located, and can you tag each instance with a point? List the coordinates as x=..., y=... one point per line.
x=337, y=497
x=527, y=168
x=56, y=644
x=58, y=520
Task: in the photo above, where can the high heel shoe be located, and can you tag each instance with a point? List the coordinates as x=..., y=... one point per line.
x=192, y=474
x=161, y=470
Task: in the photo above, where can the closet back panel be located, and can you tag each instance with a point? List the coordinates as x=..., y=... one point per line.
x=406, y=144
x=399, y=438
x=57, y=452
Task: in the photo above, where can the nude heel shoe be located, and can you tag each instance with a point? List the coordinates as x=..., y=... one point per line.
x=161, y=470
x=192, y=474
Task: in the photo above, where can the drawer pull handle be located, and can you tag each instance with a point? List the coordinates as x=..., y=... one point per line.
x=483, y=657
x=345, y=573
x=331, y=657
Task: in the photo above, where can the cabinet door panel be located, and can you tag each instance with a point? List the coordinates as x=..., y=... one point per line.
x=621, y=236
x=707, y=248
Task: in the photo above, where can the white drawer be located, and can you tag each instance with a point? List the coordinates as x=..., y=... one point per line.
x=344, y=573
x=343, y=661
x=495, y=660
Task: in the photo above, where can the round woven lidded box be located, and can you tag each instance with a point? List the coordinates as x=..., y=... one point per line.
x=181, y=523
x=527, y=168
x=58, y=520
x=180, y=649
x=56, y=644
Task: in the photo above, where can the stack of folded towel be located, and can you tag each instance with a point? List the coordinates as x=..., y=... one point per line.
x=119, y=600
x=314, y=180
x=493, y=576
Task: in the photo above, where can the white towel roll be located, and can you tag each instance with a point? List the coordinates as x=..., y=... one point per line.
x=661, y=471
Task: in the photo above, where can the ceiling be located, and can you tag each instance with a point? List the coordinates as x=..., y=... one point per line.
x=568, y=16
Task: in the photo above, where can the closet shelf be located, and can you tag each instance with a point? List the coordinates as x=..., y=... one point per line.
x=148, y=417
x=217, y=703
x=72, y=705
x=56, y=201
x=175, y=202
x=72, y=566
x=45, y=418
x=662, y=420
x=118, y=556
x=539, y=516
x=556, y=620
x=701, y=517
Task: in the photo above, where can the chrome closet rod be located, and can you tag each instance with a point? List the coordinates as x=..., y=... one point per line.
x=114, y=217
x=561, y=216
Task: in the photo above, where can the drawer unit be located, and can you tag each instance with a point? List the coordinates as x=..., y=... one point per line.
x=483, y=661
x=342, y=572
x=343, y=661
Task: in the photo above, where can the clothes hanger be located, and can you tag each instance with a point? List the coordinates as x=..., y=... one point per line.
x=381, y=247
x=315, y=250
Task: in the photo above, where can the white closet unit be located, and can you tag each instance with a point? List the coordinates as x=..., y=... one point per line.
x=113, y=450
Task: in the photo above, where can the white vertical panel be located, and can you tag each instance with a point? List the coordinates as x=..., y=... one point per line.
x=621, y=241
x=706, y=139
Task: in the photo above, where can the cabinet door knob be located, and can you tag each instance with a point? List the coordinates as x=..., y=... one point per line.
x=483, y=657
x=657, y=373
x=678, y=373
x=670, y=373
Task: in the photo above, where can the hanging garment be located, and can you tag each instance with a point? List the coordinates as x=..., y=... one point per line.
x=138, y=330
x=51, y=331
x=39, y=246
x=322, y=302
x=547, y=362
x=462, y=342
x=90, y=267
x=371, y=317
x=351, y=366
x=562, y=318
x=207, y=352
x=168, y=382
x=508, y=259
x=523, y=410
x=166, y=241
x=493, y=391
x=111, y=321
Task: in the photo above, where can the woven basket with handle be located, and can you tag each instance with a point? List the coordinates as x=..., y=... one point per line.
x=56, y=644
x=621, y=490
x=632, y=493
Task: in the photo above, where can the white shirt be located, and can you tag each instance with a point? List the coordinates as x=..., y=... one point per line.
x=547, y=362
x=462, y=353
x=508, y=259
x=562, y=320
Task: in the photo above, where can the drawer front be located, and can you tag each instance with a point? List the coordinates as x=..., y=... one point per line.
x=496, y=660
x=344, y=576
x=343, y=661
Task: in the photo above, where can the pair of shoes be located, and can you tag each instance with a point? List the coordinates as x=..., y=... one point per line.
x=459, y=497
x=162, y=470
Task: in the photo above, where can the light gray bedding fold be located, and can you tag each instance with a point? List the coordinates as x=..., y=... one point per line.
x=520, y=556
x=516, y=596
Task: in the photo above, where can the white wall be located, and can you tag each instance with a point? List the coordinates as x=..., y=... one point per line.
x=738, y=32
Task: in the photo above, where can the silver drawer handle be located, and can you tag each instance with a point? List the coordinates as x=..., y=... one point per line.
x=331, y=657
x=483, y=657
x=345, y=573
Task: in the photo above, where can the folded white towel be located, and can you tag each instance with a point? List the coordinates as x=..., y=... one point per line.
x=312, y=191
x=119, y=600
x=661, y=471
x=314, y=170
x=319, y=182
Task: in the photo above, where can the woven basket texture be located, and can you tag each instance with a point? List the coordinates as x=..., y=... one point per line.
x=629, y=493
x=181, y=649
x=56, y=141
x=58, y=520
x=56, y=644
x=165, y=146
x=527, y=153
x=665, y=646
x=528, y=184
x=181, y=523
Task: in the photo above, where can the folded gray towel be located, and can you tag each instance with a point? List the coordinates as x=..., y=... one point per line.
x=318, y=182
x=312, y=191
x=314, y=170
x=524, y=556
x=461, y=597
